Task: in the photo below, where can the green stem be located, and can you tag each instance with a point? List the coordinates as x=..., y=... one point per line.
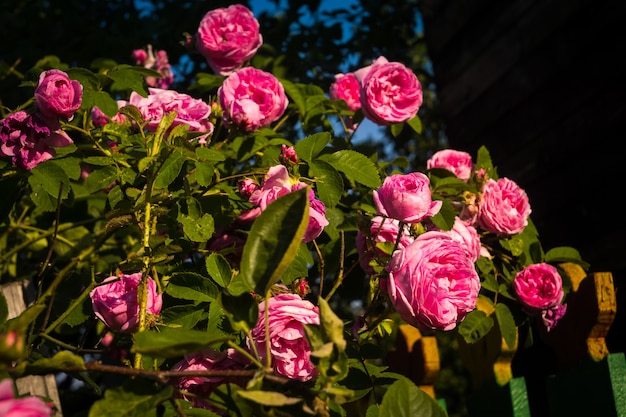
x=70, y=309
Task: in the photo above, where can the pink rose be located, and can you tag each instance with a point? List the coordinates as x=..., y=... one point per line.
x=252, y=99
x=406, y=197
x=347, y=88
x=228, y=37
x=432, y=283
x=382, y=230
x=116, y=304
x=504, y=208
x=467, y=236
x=289, y=346
x=288, y=155
x=390, y=92
x=203, y=386
x=58, y=96
x=538, y=287
x=278, y=183
x=190, y=111
x=159, y=63
x=30, y=406
x=458, y=162
x=28, y=140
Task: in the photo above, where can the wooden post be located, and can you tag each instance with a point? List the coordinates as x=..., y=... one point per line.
x=42, y=385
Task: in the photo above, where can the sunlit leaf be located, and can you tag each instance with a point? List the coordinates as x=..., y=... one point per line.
x=170, y=342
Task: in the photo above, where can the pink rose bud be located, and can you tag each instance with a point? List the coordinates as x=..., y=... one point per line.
x=116, y=304
x=252, y=99
x=381, y=230
x=201, y=387
x=390, y=92
x=551, y=316
x=457, y=162
x=30, y=406
x=288, y=155
x=140, y=56
x=432, y=283
x=406, y=197
x=247, y=187
x=28, y=140
x=289, y=346
x=347, y=88
x=58, y=96
x=12, y=347
x=503, y=208
x=538, y=287
x=228, y=37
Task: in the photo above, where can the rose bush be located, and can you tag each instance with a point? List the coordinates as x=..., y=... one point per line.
x=227, y=248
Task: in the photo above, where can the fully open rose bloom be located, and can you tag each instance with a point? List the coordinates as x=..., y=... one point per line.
x=466, y=235
x=201, y=387
x=406, y=197
x=390, y=92
x=382, y=230
x=116, y=304
x=228, y=37
x=289, y=345
x=346, y=87
x=28, y=140
x=252, y=99
x=503, y=208
x=58, y=96
x=457, y=162
x=539, y=287
x=432, y=283
x=190, y=111
x=30, y=406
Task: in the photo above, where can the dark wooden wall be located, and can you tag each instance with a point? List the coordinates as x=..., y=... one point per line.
x=542, y=84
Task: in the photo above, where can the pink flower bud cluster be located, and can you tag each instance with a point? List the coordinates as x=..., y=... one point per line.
x=160, y=63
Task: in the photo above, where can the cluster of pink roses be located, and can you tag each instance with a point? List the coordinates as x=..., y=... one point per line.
x=430, y=274
x=160, y=63
x=12, y=406
x=387, y=92
x=30, y=138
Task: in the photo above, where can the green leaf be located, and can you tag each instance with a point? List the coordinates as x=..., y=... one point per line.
x=4, y=308
x=204, y=173
x=219, y=269
x=309, y=147
x=396, y=129
x=105, y=102
x=274, y=240
x=186, y=316
x=295, y=94
x=506, y=322
x=475, y=326
x=52, y=178
x=355, y=166
x=268, y=398
x=206, y=154
x=128, y=77
x=192, y=286
x=564, y=254
x=170, y=169
x=416, y=124
x=404, y=399
x=198, y=229
x=328, y=182
x=242, y=310
x=136, y=398
x=61, y=360
x=332, y=325
x=444, y=219
x=170, y=342
x=101, y=178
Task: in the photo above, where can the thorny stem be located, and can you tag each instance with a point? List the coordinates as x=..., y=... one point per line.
x=340, y=275
x=319, y=255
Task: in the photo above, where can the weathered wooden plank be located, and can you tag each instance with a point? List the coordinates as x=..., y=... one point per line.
x=43, y=385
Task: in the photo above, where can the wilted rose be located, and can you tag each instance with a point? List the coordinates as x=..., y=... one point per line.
x=252, y=99
x=58, y=96
x=458, y=162
x=390, y=92
x=115, y=302
x=228, y=37
x=30, y=406
x=202, y=386
x=28, y=140
x=432, y=283
x=406, y=197
x=503, y=208
x=289, y=345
